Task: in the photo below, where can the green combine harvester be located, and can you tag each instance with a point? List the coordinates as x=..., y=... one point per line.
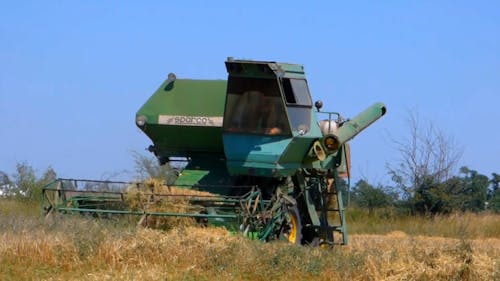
x=274, y=164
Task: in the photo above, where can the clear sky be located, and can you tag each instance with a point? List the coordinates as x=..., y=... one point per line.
x=73, y=73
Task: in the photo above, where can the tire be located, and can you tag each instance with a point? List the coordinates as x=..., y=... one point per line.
x=291, y=229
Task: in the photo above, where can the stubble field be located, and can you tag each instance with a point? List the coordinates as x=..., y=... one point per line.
x=457, y=247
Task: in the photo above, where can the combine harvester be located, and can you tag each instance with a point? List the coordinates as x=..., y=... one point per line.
x=264, y=160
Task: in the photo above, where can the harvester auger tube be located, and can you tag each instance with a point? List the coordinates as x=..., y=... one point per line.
x=350, y=128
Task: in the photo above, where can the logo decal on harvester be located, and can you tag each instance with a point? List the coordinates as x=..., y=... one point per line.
x=202, y=121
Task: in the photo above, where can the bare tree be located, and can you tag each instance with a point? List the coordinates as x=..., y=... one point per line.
x=426, y=154
x=149, y=167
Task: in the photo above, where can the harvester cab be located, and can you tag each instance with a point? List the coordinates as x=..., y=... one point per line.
x=254, y=145
x=268, y=107
x=270, y=128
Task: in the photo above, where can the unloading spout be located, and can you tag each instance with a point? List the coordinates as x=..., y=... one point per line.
x=349, y=129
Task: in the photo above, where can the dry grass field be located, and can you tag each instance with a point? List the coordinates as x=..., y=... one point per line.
x=458, y=247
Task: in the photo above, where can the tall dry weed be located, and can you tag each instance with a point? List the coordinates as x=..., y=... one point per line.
x=458, y=225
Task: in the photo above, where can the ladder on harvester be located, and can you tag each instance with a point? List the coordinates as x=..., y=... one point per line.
x=338, y=212
x=330, y=192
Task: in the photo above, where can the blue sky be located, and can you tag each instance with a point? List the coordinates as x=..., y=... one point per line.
x=73, y=73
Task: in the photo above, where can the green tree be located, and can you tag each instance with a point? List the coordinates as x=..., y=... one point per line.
x=459, y=193
x=494, y=193
x=47, y=177
x=433, y=197
x=367, y=196
x=24, y=180
x=495, y=182
x=474, y=190
x=24, y=183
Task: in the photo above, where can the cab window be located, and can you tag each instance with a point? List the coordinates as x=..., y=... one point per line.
x=299, y=103
x=254, y=105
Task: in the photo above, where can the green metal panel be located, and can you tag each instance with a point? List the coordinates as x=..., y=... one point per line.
x=301, y=144
x=184, y=117
x=292, y=70
x=256, y=155
x=206, y=174
x=186, y=96
x=185, y=141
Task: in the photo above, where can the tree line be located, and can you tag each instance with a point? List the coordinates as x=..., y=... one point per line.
x=467, y=191
x=24, y=183
x=424, y=178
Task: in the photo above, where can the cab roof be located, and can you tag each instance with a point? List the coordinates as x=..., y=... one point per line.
x=263, y=69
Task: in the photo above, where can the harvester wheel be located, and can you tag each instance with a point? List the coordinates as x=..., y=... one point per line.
x=203, y=222
x=291, y=229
